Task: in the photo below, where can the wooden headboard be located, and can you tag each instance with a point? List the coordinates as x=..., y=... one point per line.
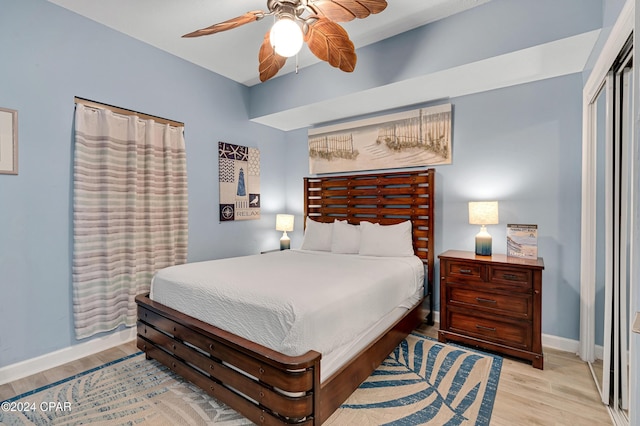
x=386, y=198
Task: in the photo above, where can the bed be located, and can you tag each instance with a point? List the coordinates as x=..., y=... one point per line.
x=296, y=383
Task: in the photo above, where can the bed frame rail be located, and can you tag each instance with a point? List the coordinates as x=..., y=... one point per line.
x=267, y=387
x=337, y=388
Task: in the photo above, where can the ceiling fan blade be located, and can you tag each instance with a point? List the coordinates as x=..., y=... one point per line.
x=228, y=24
x=330, y=42
x=270, y=61
x=346, y=10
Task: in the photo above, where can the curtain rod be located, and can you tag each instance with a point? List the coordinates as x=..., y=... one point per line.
x=125, y=111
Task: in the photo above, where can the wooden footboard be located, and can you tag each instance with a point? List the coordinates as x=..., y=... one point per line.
x=248, y=377
x=251, y=378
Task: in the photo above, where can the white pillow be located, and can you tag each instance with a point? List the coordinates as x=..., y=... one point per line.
x=389, y=240
x=346, y=238
x=317, y=236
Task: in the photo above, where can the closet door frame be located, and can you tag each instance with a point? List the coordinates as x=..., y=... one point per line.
x=620, y=33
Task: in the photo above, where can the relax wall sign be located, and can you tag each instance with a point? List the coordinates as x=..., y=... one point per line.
x=239, y=176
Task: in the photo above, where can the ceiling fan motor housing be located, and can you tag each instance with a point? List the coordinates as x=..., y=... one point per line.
x=292, y=9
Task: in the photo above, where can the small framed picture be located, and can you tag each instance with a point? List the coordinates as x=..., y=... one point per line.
x=522, y=241
x=8, y=141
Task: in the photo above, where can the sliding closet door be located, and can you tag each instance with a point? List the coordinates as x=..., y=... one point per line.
x=622, y=202
x=607, y=223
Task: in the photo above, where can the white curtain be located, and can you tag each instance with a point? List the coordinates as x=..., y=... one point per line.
x=130, y=213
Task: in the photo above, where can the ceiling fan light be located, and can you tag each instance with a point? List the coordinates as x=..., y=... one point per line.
x=286, y=37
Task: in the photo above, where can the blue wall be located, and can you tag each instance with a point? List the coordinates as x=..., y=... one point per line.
x=49, y=55
x=610, y=11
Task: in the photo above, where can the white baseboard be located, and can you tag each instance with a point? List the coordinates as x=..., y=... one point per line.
x=54, y=359
x=560, y=343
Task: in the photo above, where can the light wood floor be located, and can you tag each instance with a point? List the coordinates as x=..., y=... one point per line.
x=562, y=394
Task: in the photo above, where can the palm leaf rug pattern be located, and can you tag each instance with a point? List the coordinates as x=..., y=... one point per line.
x=426, y=382
x=421, y=382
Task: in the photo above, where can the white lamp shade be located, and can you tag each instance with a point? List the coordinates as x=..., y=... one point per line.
x=286, y=37
x=284, y=222
x=483, y=213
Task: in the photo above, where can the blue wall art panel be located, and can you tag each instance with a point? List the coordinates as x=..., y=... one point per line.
x=239, y=168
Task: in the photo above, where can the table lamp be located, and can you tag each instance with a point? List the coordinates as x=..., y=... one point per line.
x=483, y=213
x=284, y=223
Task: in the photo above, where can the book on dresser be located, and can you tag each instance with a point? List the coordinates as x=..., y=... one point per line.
x=522, y=241
x=492, y=302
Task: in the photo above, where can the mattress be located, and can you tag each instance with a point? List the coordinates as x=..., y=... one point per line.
x=293, y=301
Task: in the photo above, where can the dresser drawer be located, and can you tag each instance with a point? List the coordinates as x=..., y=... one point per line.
x=513, y=277
x=516, y=305
x=472, y=271
x=514, y=334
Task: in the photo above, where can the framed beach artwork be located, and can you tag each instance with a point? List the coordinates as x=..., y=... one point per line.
x=420, y=137
x=8, y=141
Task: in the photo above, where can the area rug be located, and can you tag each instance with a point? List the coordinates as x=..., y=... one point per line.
x=424, y=382
x=421, y=382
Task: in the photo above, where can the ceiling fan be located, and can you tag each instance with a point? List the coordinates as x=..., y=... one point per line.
x=298, y=21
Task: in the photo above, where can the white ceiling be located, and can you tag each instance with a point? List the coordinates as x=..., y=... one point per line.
x=234, y=54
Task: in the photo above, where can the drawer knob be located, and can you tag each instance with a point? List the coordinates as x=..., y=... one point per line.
x=482, y=327
x=482, y=300
x=465, y=271
x=510, y=277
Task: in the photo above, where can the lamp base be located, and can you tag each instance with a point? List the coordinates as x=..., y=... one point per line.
x=483, y=242
x=285, y=242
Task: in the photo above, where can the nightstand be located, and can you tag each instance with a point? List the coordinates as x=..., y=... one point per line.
x=492, y=302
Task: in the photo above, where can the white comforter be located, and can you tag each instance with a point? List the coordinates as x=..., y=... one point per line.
x=291, y=301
